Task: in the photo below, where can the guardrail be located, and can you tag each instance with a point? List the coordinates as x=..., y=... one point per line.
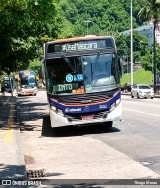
x=156, y=89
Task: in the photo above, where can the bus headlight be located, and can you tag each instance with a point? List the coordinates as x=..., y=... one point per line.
x=56, y=110
x=53, y=108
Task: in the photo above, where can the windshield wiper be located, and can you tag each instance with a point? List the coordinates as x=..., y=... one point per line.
x=94, y=67
x=97, y=58
x=70, y=65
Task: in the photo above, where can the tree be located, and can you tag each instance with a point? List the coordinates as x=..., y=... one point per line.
x=139, y=49
x=24, y=26
x=151, y=11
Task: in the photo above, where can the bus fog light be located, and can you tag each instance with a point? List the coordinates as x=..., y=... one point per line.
x=112, y=106
x=118, y=101
x=105, y=116
x=60, y=112
x=69, y=119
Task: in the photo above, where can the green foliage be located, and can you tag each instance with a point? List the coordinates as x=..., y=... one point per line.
x=150, y=10
x=27, y=24
x=140, y=48
x=158, y=59
x=139, y=77
x=23, y=27
x=106, y=16
x=2, y=77
x=147, y=61
x=34, y=65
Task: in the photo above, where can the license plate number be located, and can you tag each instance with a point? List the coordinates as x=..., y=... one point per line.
x=87, y=117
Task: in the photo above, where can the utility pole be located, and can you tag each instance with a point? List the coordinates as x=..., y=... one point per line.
x=131, y=45
x=11, y=82
x=154, y=54
x=87, y=22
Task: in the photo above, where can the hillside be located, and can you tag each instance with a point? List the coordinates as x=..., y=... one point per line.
x=139, y=77
x=106, y=16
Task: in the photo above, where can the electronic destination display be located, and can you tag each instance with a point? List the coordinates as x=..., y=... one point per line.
x=80, y=45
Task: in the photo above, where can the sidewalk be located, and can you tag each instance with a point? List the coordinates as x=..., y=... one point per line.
x=12, y=165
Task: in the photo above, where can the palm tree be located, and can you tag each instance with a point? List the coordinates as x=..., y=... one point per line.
x=151, y=11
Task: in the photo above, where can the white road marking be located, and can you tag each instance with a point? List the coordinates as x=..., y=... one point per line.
x=142, y=112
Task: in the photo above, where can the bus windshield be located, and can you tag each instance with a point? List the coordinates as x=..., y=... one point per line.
x=7, y=84
x=28, y=81
x=84, y=74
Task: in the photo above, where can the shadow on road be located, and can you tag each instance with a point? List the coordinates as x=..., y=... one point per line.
x=68, y=131
x=30, y=112
x=12, y=171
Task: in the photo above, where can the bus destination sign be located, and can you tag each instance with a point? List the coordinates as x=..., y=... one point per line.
x=80, y=45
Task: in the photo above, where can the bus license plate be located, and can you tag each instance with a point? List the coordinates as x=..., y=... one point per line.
x=87, y=117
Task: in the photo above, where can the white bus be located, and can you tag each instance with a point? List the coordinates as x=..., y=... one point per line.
x=82, y=77
x=26, y=82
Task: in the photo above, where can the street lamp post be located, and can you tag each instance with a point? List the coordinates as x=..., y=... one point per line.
x=131, y=45
x=36, y=2
x=154, y=55
x=87, y=22
x=157, y=2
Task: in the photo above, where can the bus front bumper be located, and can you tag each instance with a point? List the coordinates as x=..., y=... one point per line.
x=28, y=92
x=60, y=121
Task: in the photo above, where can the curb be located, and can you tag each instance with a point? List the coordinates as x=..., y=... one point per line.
x=11, y=130
x=20, y=156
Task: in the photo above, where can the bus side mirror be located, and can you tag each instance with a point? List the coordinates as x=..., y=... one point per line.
x=120, y=65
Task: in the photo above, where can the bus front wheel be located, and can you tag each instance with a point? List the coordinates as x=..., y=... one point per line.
x=108, y=124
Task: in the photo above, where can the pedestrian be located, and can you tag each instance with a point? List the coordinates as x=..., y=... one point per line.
x=3, y=90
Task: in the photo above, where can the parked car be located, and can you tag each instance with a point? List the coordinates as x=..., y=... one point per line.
x=142, y=91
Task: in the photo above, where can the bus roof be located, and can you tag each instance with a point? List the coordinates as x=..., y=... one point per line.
x=87, y=37
x=26, y=72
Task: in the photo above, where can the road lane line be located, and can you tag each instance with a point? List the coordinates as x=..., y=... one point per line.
x=142, y=112
x=9, y=132
x=8, y=135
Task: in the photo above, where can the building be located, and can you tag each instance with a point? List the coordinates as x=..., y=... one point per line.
x=147, y=30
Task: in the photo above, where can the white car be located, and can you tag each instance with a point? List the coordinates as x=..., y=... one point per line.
x=142, y=91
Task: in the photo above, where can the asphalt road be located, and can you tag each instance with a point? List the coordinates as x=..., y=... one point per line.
x=130, y=149
x=138, y=135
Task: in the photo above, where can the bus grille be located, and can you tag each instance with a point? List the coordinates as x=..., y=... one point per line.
x=84, y=99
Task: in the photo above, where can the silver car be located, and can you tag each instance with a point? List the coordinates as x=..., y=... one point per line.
x=142, y=91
